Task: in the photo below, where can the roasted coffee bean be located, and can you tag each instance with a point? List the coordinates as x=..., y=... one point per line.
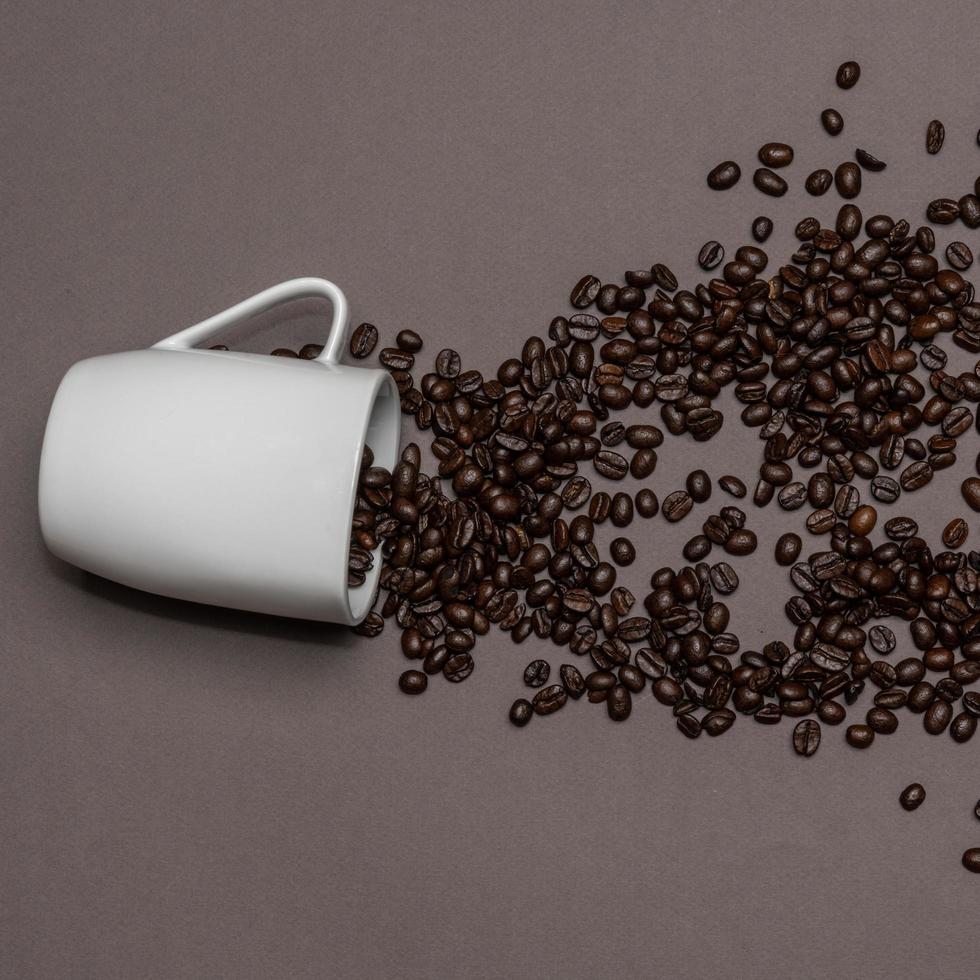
x=619, y=702
x=847, y=179
x=958, y=255
x=935, y=136
x=943, y=211
x=647, y=504
x=363, y=340
x=536, y=673
x=859, y=736
x=788, y=548
x=761, y=228
x=769, y=182
x=520, y=712
x=882, y=721
x=971, y=859
x=963, y=727
x=717, y=722
x=413, y=682
x=677, y=505
x=970, y=489
x=698, y=485
x=741, y=542
x=806, y=737
x=720, y=178
x=848, y=74
x=585, y=292
x=711, y=255
x=776, y=154
x=937, y=717
x=832, y=121
x=622, y=551
x=912, y=797
x=549, y=700
x=882, y=639
x=955, y=533
x=691, y=727
x=868, y=162
x=448, y=364
x=732, y=485
x=819, y=182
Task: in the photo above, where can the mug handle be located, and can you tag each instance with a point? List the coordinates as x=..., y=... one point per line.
x=266, y=300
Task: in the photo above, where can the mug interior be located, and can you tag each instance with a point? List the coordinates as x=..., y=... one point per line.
x=383, y=434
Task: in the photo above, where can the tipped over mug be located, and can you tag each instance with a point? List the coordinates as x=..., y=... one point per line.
x=219, y=477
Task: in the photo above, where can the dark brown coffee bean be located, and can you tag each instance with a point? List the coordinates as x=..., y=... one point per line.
x=408, y=340
x=955, y=533
x=725, y=175
x=610, y=465
x=937, y=717
x=963, y=727
x=882, y=639
x=677, y=505
x=413, y=682
x=711, y=255
x=741, y=542
x=859, y=736
x=363, y=340
x=732, y=485
x=806, y=737
x=869, y=162
x=882, y=721
x=832, y=121
x=776, y=154
x=520, y=712
x=970, y=489
x=647, y=504
x=448, y=363
x=619, y=702
x=549, y=700
x=847, y=179
x=761, y=228
x=698, y=485
x=585, y=292
x=971, y=859
x=819, y=182
x=943, y=211
x=691, y=727
x=769, y=182
x=935, y=136
x=912, y=797
x=622, y=551
x=958, y=255
x=536, y=673
x=788, y=548
x=848, y=74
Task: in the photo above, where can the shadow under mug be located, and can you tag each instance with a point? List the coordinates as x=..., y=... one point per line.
x=218, y=476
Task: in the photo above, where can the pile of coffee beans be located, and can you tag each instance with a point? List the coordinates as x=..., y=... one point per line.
x=836, y=359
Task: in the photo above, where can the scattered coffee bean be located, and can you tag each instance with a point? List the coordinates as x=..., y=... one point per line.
x=761, y=228
x=788, y=548
x=806, y=737
x=819, y=182
x=912, y=797
x=413, y=682
x=859, y=736
x=363, y=340
x=869, y=162
x=935, y=136
x=725, y=175
x=711, y=255
x=971, y=859
x=847, y=178
x=775, y=154
x=832, y=121
x=848, y=74
x=769, y=183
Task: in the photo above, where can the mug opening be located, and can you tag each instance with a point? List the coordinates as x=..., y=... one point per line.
x=383, y=435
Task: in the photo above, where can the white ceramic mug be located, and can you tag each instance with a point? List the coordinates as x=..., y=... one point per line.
x=217, y=476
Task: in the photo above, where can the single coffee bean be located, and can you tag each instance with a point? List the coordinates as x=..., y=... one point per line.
x=363, y=340
x=832, y=121
x=869, y=162
x=711, y=255
x=691, y=727
x=955, y=533
x=732, y=485
x=882, y=639
x=819, y=182
x=769, y=183
x=776, y=154
x=677, y=505
x=859, y=736
x=937, y=717
x=408, y=340
x=970, y=488
x=788, y=548
x=698, y=485
x=536, y=673
x=958, y=255
x=806, y=737
x=741, y=542
x=912, y=797
x=847, y=178
x=413, y=682
x=622, y=551
x=761, y=228
x=584, y=292
x=943, y=211
x=882, y=721
x=549, y=700
x=520, y=712
x=935, y=136
x=963, y=727
x=971, y=859
x=619, y=702
x=848, y=74
x=720, y=178
x=647, y=504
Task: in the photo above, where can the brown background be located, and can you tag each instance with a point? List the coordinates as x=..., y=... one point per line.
x=189, y=792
